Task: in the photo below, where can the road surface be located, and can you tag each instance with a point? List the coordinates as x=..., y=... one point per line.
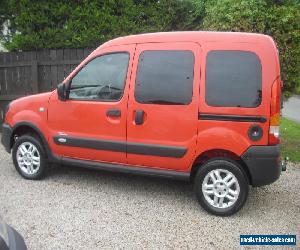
x=291, y=109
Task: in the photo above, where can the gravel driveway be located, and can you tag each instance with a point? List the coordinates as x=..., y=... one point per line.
x=83, y=209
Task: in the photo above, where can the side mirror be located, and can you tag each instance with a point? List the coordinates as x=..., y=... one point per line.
x=62, y=92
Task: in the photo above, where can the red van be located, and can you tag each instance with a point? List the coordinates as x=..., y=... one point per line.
x=198, y=106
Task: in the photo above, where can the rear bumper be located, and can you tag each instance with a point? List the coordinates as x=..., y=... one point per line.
x=6, y=137
x=264, y=164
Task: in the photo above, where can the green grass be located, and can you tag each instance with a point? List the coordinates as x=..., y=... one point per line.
x=290, y=139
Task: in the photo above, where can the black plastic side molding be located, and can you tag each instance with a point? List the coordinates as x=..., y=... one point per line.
x=234, y=118
x=178, y=175
x=116, y=146
x=6, y=137
x=121, y=146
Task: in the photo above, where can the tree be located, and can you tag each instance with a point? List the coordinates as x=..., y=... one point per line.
x=283, y=23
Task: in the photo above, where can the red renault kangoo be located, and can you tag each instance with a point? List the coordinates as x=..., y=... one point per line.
x=197, y=106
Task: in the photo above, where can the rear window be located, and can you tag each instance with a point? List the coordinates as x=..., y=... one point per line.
x=233, y=79
x=165, y=77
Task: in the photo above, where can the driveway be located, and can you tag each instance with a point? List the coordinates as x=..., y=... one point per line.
x=83, y=209
x=291, y=109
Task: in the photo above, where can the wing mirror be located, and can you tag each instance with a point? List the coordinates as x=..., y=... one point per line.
x=62, y=91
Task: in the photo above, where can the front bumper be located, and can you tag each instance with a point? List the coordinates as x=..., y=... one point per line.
x=6, y=137
x=264, y=164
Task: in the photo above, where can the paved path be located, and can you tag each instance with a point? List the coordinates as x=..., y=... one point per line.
x=291, y=109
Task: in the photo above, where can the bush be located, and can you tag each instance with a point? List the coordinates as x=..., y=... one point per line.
x=275, y=18
x=87, y=23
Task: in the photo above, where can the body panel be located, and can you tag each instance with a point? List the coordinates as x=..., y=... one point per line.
x=232, y=135
x=170, y=125
x=88, y=119
x=31, y=109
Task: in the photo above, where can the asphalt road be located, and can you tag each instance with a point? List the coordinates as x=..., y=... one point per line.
x=291, y=109
x=83, y=209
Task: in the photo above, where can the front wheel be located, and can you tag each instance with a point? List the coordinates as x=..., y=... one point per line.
x=29, y=157
x=221, y=187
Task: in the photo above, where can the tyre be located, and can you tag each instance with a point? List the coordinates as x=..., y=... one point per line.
x=29, y=157
x=221, y=187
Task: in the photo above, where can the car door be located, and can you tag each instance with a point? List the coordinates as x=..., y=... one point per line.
x=163, y=105
x=91, y=123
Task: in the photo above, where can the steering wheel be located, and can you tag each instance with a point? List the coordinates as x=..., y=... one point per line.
x=105, y=92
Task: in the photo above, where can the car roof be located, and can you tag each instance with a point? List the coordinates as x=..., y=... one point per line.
x=190, y=36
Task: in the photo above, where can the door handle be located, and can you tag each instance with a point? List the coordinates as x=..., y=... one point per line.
x=113, y=113
x=139, y=117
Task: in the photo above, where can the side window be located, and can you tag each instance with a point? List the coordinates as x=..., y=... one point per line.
x=233, y=79
x=165, y=77
x=102, y=79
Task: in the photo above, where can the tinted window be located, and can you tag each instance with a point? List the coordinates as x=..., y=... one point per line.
x=165, y=77
x=233, y=79
x=103, y=78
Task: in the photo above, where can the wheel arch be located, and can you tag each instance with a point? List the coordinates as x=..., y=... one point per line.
x=219, y=153
x=25, y=127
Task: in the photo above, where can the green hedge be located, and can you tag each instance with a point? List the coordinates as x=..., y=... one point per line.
x=281, y=21
x=87, y=23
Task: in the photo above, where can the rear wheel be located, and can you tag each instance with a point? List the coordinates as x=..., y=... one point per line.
x=221, y=187
x=29, y=157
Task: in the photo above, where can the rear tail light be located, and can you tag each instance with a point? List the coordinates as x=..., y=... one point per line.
x=275, y=113
x=274, y=135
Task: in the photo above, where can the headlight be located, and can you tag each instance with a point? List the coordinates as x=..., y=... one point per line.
x=4, y=233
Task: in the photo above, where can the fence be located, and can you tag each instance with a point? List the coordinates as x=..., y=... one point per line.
x=30, y=72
